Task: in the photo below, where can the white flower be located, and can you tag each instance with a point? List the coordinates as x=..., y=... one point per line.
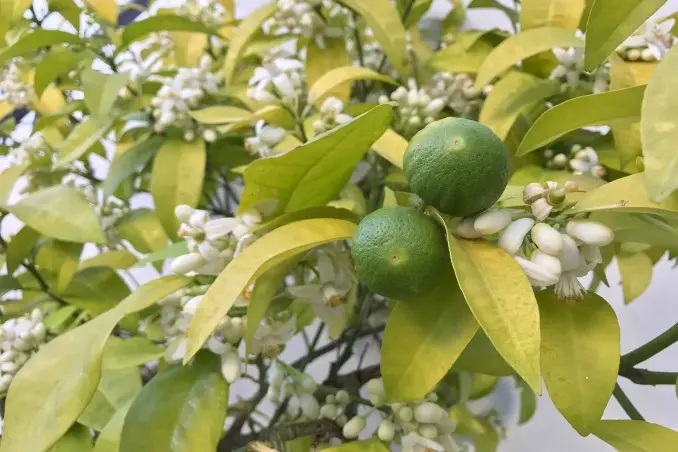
x=547, y=238
x=590, y=232
x=569, y=256
x=541, y=209
x=309, y=406
x=492, y=221
x=269, y=336
x=353, y=427
x=532, y=192
x=239, y=226
x=538, y=275
x=187, y=263
x=568, y=287
x=183, y=212
x=413, y=442
x=386, y=431
x=513, y=236
x=429, y=413
x=657, y=37
x=231, y=365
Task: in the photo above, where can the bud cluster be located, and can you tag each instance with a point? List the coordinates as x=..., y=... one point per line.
x=266, y=137
x=13, y=89
x=210, y=12
x=307, y=18
x=20, y=338
x=331, y=115
x=414, y=108
x=281, y=80
x=459, y=94
x=578, y=160
x=650, y=42
x=571, y=72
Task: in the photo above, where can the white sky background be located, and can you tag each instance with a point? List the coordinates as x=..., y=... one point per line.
x=651, y=314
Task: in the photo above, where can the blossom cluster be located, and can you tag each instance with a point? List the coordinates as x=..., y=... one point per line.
x=308, y=19
x=13, y=89
x=282, y=79
x=20, y=337
x=266, y=138
x=578, y=160
x=210, y=12
x=331, y=115
x=650, y=42
x=570, y=70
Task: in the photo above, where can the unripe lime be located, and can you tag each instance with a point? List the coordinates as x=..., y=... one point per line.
x=399, y=252
x=458, y=166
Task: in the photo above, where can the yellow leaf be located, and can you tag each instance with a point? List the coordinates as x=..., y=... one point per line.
x=324, y=86
x=635, y=270
x=105, y=9
x=637, y=436
x=392, y=147
x=553, y=13
x=322, y=60
x=188, y=47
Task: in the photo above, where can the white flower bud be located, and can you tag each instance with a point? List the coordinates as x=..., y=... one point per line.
x=293, y=410
x=353, y=427
x=532, y=192
x=231, y=366
x=375, y=386
x=590, y=232
x=538, y=276
x=318, y=126
x=189, y=135
x=513, y=236
x=277, y=380
x=647, y=55
x=309, y=406
x=406, y=414
x=39, y=332
x=9, y=367
x=328, y=411
x=428, y=431
x=273, y=394
x=341, y=420
x=466, y=230
x=429, y=413
x=187, y=263
x=547, y=238
x=183, y=212
x=434, y=107
x=633, y=54
x=209, y=135
x=308, y=384
x=176, y=350
x=192, y=305
x=386, y=431
x=541, y=209
x=492, y=221
x=216, y=346
x=570, y=258
x=548, y=262
x=343, y=398
x=414, y=121
x=571, y=186
x=198, y=219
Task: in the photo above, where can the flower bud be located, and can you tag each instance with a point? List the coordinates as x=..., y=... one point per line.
x=465, y=229
x=538, y=276
x=231, y=366
x=556, y=197
x=308, y=384
x=547, y=238
x=513, y=236
x=386, y=431
x=192, y=304
x=548, y=262
x=428, y=431
x=492, y=221
x=176, y=350
x=590, y=232
x=633, y=54
x=189, y=135
x=429, y=413
x=560, y=160
x=353, y=427
x=187, y=263
x=548, y=153
x=375, y=386
x=328, y=411
x=541, y=209
x=216, y=346
x=309, y=406
x=434, y=107
x=273, y=394
x=209, y=135
x=406, y=414
x=342, y=398
x=532, y=192
x=183, y=212
x=571, y=186
x=647, y=55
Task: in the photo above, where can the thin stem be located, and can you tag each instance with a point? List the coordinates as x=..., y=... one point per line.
x=656, y=345
x=626, y=404
x=648, y=377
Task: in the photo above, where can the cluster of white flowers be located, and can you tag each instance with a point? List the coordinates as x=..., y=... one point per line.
x=279, y=80
x=304, y=18
x=571, y=70
x=552, y=252
x=13, y=89
x=331, y=115
x=417, y=426
x=414, y=108
x=210, y=12
x=182, y=93
x=20, y=338
x=458, y=92
x=266, y=137
x=578, y=160
x=212, y=242
x=650, y=42
x=109, y=209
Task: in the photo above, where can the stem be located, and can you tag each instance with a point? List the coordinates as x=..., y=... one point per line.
x=626, y=404
x=656, y=345
x=648, y=377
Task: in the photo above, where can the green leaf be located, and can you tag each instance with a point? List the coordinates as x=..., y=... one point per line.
x=56, y=319
x=63, y=375
x=69, y=263
x=56, y=62
x=484, y=434
x=622, y=105
x=176, y=178
x=521, y=46
x=20, y=247
x=635, y=270
x=382, y=17
x=96, y=290
x=165, y=22
x=115, y=259
x=221, y=114
x=246, y=30
x=430, y=332
x=325, y=85
x=302, y=444
x=480, y=356
x=132, y=352
x=392, y=147
x=117, y=388
x=322, y=60
x=130, y=161
x=627, y=194
x=314, y=173
x=553, y=13
x=35, y=40
x=579, y=356
x=466, y=54
x=262, y=255
x=174, y=250
x=7, y=180
x=610, y=22
x=81, y=139
x=109, y=438
x=102, y=90
x=142, y=229
x=8, y=283
x=502, y=300
x=659, y=130
x=184, y=408
x=369, y=445
x=636, y=436
x=77, y=439
x=528, y=404
x=60, y=212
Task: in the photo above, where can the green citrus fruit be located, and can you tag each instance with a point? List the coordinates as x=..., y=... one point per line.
x=458, y=166
x=399, y=252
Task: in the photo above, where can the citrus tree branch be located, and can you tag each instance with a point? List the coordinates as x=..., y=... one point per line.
x=626, y=404
x=648, y=377
x=656, y=345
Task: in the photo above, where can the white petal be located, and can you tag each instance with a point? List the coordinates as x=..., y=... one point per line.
x=590, y=232
x=309, y=292
x=284, y=85
x=198, y=219
x=231, y=366
x=219, y=228
x=538, y=276
x=187, y=263
x=569, y=257
x=492, y=221
x=466, y=230
x=548, y=262
x=541, y=209
x=325, y=268
x=547, y=238
x=513, y=236
x=183, y=212
x=191, y=306
x=208, y=251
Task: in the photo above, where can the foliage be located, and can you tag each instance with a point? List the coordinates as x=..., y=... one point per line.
x=227, y=161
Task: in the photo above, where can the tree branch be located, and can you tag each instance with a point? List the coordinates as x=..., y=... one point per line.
x=656, y=345
x=626, y=404
x=648, y=377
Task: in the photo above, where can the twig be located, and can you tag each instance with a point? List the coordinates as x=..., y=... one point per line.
x=656, y=345
x=648, y=377
x=626, y=404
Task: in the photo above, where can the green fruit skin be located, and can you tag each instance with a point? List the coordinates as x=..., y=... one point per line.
x=418, y=243
x=458, y=166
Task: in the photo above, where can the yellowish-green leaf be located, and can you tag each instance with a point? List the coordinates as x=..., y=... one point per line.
x=483, y=432
x=627, y=194
x=184, y=408
x=330, y=81
x=104, y=9
x=221, y=114
x=117, y=388
x=116, y=259
x=635, y=270
x=579, y=356
x=7, y=180
x=176, y=178
x=551, y=13
x=528, y=404
x=35, y=40
x=659, y=130
x=314, y=173
x=102, y=90
x=60, y=212
x=466, y=54
x=20, y=247
x=173, y=250
x=71, y=257
x=109, y=438
x=129, y=353
x=480, y=356
x=163, y=22
x=392, y=147
x=58, y=61
x=76, y=439
x=264, y=254
x=369, y=445
x=521, y=46
x=636, y=436
x=383, y=18
x=607, y=108
x=428, y=333
x=246, y=30
x=610, y=22
x=640, y=228
x=64, y=374
x=502, y=300
x=133, y=159
x=81, y=139
x=142, y=229
x=301, y=444
x=321, y=60
x=188, y=47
